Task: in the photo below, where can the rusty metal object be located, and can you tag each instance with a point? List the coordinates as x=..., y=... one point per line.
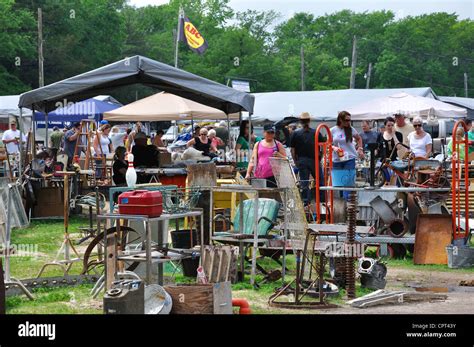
x=383, y=209
x=350, y=271
x=433, y=234
x=413, y=211
x=397, y=228
x=93, y=258
x=312, y=253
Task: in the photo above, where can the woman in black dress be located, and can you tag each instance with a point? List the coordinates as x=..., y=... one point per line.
x=203, y=143
x=389, y=139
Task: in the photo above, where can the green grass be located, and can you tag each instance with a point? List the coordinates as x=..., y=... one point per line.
x=48, y=235
x=62, y=300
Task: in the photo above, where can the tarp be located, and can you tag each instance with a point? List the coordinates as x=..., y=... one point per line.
x=142, y=70
x=321, y=104
x=87, y=109
x=164, y=107
x=410, y=105
x=467, y=103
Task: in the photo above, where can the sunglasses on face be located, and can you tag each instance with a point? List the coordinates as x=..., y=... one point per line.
x=417, y=125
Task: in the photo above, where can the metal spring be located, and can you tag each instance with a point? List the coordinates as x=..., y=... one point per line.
x=350, y=277
x=350, y=239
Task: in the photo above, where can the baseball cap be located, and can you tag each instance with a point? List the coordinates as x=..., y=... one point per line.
x=269, y=128
x=103, y=121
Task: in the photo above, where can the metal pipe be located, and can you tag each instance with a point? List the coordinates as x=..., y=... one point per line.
x=387, y=189
x=397, y=228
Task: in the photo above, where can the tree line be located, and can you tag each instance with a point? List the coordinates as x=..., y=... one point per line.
x=428, y=50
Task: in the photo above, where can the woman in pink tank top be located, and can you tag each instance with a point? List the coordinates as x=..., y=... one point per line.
x=262, y=151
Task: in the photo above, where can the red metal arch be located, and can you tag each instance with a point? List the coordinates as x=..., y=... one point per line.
x=457, y=168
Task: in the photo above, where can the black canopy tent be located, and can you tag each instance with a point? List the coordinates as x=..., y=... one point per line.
x=136, y=70
x=142, y=70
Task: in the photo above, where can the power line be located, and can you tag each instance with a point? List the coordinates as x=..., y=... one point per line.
x=423, y=81
x=398, y=49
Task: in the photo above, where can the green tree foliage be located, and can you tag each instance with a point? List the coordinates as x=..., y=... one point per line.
x=428, y=50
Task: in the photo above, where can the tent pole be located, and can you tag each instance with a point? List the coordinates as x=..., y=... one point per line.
x=178, y=34
x=20, y=146
x=33, y=133
x=46, y=126
x=250, y=131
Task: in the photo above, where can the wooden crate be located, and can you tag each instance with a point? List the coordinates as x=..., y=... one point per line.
x=213, y=298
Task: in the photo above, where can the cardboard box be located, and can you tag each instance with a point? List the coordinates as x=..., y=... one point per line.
x=164, y=158
x=50, y=203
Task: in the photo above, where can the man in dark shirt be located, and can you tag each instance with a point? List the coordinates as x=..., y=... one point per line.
x=70, y=139
x=368, y=135
x=144, y=155
x=302, y=151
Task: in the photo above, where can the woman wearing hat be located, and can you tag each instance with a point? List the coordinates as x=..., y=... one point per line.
x=262, y=151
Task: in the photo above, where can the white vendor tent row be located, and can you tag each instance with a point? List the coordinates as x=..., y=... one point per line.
x=321, y=104
x=467, y=103
x=9, y=109
x=406, y=104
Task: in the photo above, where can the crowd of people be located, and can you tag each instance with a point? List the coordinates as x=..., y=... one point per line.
x=394, y=139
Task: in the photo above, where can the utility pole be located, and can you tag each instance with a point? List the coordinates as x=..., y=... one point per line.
x=302, y=68
x=40, y=49
x=465, y=84
x=369, y=74
x=354, y=63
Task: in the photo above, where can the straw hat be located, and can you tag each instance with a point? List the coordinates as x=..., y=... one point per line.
x=305, y=116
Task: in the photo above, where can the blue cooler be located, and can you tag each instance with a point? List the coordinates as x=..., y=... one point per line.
x=343, y=177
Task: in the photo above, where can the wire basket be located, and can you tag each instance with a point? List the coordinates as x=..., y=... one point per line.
x=180, y=200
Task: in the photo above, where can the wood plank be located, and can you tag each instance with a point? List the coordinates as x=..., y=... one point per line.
x=191, y=299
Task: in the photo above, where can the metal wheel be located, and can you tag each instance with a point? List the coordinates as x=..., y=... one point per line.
x=379, y=178
x=93, y=258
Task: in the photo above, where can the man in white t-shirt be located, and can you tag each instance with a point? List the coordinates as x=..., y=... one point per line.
x=402, y=126
x=11, y=138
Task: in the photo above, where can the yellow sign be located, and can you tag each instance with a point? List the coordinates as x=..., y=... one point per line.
x=194, y=38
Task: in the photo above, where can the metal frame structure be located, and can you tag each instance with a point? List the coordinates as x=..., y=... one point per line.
x=241, y=190
x=327, y=168
x=456, y=181
x=148, y=259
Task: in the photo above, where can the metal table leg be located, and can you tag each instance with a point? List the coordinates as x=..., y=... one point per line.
x=285, y=234
x=255, y=240
x=148, y=252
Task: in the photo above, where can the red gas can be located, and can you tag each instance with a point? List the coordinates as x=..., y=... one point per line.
x=141, y=202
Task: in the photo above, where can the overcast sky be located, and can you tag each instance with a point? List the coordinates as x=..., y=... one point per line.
x=402, y=8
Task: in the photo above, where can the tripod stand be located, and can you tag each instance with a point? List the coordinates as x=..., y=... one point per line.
x=66, y=263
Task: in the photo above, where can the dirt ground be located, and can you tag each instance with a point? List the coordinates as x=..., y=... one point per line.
x=406, y=279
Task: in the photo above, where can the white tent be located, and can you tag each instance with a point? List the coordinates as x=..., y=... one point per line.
x=406, y=104
x=164, y=107
x=9, y=109
x=321, y=104
x=468, y=103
